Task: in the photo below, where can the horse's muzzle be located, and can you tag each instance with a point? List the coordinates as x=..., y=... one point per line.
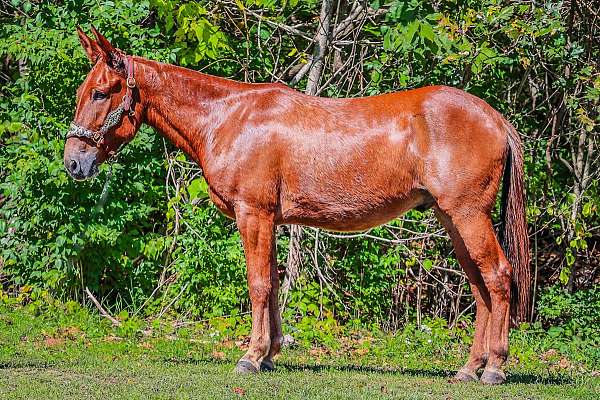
x=81, y=165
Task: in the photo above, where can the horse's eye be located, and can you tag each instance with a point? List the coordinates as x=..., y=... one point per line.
x=99, y=95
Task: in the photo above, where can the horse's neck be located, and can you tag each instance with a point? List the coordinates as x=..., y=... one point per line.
x=186, y=106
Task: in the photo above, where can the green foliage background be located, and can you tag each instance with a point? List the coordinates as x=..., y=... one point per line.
x=531, y=62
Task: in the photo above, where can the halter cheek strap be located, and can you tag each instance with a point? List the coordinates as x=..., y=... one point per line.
x=114, y=117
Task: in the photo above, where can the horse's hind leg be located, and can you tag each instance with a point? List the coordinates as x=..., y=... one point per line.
x=489, y=273
x=479, y=349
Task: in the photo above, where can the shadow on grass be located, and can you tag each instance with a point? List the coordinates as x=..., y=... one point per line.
x=431, y=373
x=533, y=379
x=513, y=377
x=37, y=364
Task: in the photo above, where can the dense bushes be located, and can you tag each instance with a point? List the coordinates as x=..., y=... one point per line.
x=156, y=228
x=571, y=315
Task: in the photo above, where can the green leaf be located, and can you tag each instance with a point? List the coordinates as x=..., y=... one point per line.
x=427, y=264
x=570, y=258
x=564, y=275
x=123, y=315
x=198, y=188
x=410, y=31
x=587, y=209
x=375, y=76
x=426, y=32
x=555, y=331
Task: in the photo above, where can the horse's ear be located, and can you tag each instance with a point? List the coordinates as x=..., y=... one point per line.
x=112, y=56
x=90, y=47
x=106, y=47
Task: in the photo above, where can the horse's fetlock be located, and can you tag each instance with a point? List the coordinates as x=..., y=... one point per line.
x=278, y=340
x=484, y=358
x=263, y=346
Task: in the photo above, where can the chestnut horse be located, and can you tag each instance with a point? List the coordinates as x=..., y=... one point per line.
x=272, y=155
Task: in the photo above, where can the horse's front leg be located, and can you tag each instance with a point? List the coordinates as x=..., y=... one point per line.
x=275, y=316
x=257, y=232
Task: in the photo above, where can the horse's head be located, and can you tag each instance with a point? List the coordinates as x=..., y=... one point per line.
x=108, y=112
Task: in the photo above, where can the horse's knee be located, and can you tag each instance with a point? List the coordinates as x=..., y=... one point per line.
x=259, y=291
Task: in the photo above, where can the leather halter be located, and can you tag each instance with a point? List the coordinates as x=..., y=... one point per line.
x=114, y=117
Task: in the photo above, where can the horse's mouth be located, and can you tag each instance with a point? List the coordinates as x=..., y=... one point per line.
x=81, y=177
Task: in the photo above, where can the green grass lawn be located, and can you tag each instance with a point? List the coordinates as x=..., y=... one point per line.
x=46, y=355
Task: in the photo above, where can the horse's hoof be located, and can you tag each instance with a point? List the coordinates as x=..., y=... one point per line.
x=267, y=366
x=464, y=375
x=493, y=376
x=245, y=367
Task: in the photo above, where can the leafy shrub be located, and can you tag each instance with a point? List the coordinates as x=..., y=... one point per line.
x=568, y=315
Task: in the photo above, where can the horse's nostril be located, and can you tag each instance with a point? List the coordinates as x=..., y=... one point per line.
x=73, y=166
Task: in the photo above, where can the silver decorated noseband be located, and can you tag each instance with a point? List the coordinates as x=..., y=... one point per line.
x=112, y=119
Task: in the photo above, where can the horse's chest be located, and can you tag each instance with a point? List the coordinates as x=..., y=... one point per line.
x=224, y=206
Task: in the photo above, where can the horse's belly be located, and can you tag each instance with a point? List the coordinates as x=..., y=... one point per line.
x=349, y=216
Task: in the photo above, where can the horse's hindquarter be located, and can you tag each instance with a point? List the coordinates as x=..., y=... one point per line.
x=467, y=146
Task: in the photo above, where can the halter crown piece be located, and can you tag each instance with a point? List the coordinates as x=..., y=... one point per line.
x=114, y=117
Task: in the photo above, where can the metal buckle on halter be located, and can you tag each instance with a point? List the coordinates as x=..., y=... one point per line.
x=97, y=136
x=130, y=82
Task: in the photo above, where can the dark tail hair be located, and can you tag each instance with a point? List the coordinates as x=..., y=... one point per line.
x=513, y=230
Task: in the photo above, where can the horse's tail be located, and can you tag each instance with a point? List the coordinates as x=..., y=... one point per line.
x=513, y=230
